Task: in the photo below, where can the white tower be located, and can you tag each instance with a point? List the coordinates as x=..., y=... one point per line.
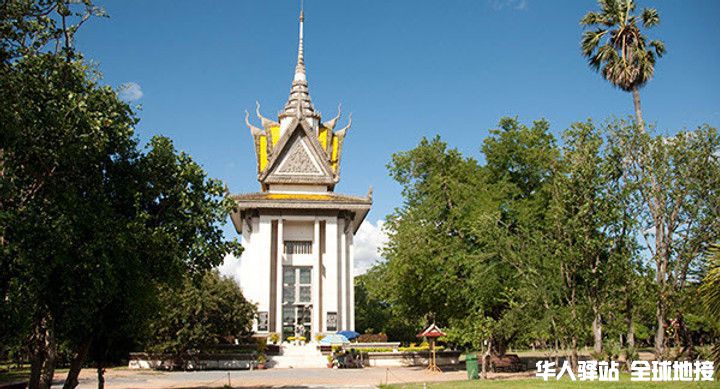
x=297, y=232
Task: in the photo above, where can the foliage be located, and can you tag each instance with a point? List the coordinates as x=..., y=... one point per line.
x=617, y=48
x=710, y=295
x=372, y=338
x=538, y=247
x=274, y=337
x=372, y=313
x=200, y=315
x=675, y=196
x=30, y=27
x=448, y=257
x=80, y=197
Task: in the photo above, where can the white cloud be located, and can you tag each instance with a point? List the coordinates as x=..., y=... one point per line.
x=130, y=91
x=369, y=240
x=230, y=267
x=518, y=5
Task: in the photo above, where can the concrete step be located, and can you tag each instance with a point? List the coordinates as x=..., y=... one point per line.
x=294, y=356
x=290, y=362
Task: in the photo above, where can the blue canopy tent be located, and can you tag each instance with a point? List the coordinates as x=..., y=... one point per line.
x=350, y=335
x=334, y=339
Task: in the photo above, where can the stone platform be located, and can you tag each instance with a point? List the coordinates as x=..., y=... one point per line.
x=298, y=356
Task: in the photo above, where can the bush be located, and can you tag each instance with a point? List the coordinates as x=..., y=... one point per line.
x=372, y=338
x=200, y=316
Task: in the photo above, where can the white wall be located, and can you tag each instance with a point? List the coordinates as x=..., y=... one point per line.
x=254, y=269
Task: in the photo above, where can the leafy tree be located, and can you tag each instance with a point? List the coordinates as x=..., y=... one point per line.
x=589, y=225
x=710, y=294
x=370, y=314
x=200, y=315
x=91, y=225
x=450, y=254
x=432, y=250
x=675, y=181
x=619, y=50
x=521, y=162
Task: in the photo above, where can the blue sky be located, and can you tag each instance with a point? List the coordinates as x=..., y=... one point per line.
x=406, y=69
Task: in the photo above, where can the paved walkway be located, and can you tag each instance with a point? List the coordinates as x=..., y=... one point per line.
x=288, y=378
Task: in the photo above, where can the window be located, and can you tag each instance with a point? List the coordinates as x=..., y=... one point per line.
x=305, y=275
x=289, y=294
x=332, y=321
x=262, y=321
x=297, y=285
x=305, y=296
x=298, y=247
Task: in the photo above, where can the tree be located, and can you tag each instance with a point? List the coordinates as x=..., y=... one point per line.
x=451, y=249
x=91, y=225
x=589, y=224
x=200, y=315
x=427, y=248
x=675, y=194
x=619, y=50
x=710, y=294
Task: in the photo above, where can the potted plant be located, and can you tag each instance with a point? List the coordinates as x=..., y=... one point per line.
x=330, y=361
x=261, y=360
x=274, y=338
x=261, y=351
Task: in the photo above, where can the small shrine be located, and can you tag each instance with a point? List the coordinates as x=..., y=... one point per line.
x=432, y=332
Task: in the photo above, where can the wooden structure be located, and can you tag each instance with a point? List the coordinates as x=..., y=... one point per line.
x=432, y=332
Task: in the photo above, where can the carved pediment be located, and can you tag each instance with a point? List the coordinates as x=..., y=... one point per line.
x=298, y=159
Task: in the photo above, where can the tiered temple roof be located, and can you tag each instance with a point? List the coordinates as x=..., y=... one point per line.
x=298, y=148
x=298, y=159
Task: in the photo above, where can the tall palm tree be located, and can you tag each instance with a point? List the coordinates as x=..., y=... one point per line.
x=618, y=49
x=710, y=295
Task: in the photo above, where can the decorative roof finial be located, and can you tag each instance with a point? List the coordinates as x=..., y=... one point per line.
x=300, y=67
x=299, y=104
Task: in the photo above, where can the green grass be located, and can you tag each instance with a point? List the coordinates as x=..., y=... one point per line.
x=562, y=384
x=10, y=373
x=14, y=375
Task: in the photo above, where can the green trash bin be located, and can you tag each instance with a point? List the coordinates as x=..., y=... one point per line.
x=471, y=365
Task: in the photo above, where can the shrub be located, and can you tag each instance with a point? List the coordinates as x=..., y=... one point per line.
x=372, y=338
x=274, y=337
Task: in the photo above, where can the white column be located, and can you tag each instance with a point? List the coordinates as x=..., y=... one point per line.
x=330, y=288
x=279, y=278
x=351, y=281
x=315, y=327
x=343, y=277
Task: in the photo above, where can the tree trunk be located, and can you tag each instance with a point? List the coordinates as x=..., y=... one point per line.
x=630, y=323
x=44, y=354
x=486, y=359
x=76, y=365
x=46, y=379
x=597, y=328
x=638, y=111
x=38, y=359
x=660, y=332
x=574, y=353
x=101, y=376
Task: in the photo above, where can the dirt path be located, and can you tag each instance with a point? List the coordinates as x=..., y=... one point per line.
x=330, y=378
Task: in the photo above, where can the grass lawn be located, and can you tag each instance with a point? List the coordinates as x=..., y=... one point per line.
x=562, y=384
x=11, y=374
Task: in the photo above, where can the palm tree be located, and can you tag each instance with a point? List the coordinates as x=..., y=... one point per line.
x=618, y=49
x=710, y=294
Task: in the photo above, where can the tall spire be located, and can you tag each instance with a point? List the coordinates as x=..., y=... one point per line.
x=299, y=103
x=300, y=67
